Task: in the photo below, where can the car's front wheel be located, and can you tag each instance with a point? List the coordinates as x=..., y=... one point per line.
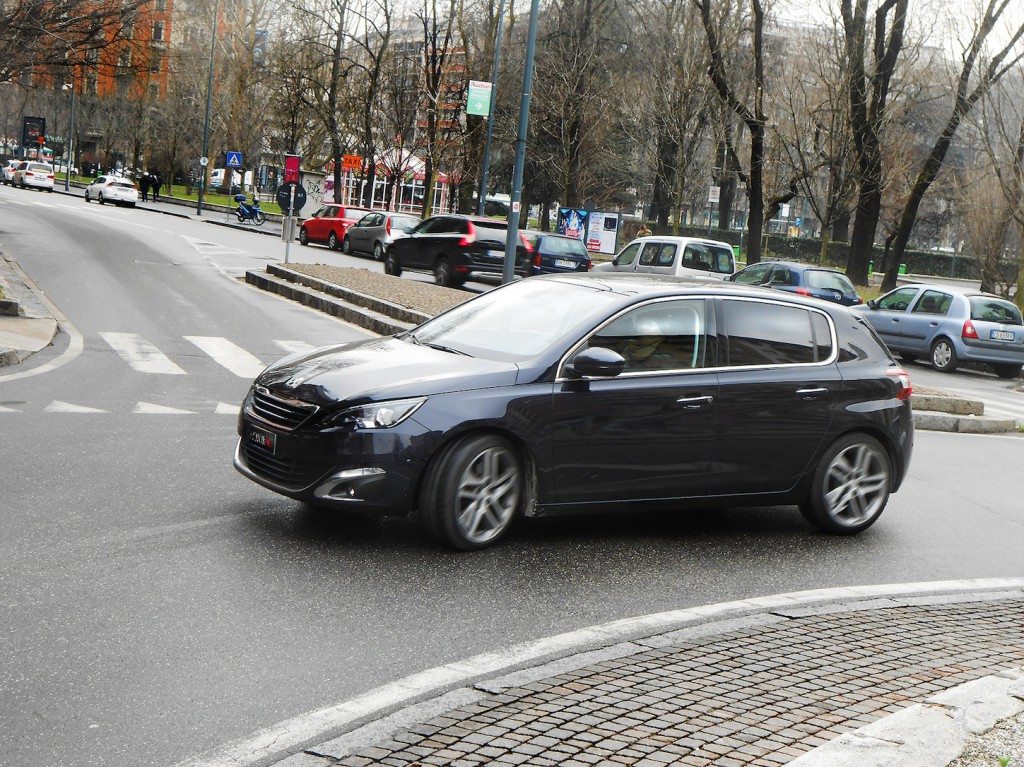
x=850, y=487
x=346, y=246
x=473, y=492
x=944, y=356
x=100, y=198
x=1007, y=371
x=391, y=265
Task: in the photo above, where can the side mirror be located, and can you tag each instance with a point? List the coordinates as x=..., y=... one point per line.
x=597, y=362
x=872, y=303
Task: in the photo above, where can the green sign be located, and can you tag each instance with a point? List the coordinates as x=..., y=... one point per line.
x=478, y=98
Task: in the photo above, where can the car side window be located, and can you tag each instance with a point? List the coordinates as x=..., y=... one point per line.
x=763, y=333
x=752, y=275
x=627, y=255
x=898, y=300
x=423, y=227
x=660, y=336
x=781, y=275
x=649, y=255
x=933, y=302
x=667, y=255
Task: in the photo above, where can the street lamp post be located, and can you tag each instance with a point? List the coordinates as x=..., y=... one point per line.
x=209, y=107
x=495, y=69
x=71, y=135
x=512, y=237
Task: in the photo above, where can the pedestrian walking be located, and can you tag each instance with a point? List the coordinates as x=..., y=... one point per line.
x=155, y=181
x=144, y=186
x=644, y=230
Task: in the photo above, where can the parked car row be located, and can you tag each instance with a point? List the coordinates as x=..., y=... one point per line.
x=28, y=174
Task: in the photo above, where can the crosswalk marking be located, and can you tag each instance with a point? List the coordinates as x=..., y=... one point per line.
x=293, y=347
x=149, y=408
x=66, y=407
x=223, y=408
x=8, y=410
x=234, y=358
x=141, y=354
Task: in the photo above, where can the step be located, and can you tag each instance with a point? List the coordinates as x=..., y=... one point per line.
x=357, y=315
x=379, y=305
x=939, y=403
x=964, y=424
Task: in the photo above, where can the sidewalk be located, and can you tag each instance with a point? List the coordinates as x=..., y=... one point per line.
x=26, y=325
x=759, y=690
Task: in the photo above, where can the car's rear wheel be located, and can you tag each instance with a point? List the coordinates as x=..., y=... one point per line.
x=378, y=251
x=850, y=487
x=332, y=241
x=944, y=355
x=443, y=272
x=391, y=265
x=473, y=492
x=1007, y=371
x=346, y=246
x=303, y=236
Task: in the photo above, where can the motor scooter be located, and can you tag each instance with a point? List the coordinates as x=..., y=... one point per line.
x=249, y=211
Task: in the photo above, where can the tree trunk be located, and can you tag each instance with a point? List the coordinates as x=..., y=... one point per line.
x=865, y=224
x=726, y=199
x=825, y=242
x=841, y=229
x=664, y=180
x=545, y=216
x=428, y=188
x=336, y=157
x=1018, y=297
x=755, y=220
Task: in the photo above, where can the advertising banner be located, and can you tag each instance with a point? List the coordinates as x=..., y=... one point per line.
x=597, y=229
x=573, y=223
x=33, y=129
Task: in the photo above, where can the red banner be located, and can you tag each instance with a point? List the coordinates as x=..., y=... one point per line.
x=291, y=168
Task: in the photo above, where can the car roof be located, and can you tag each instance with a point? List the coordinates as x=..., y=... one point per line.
x=551, y=234
x=957, y=290
x=797, y=265
x=679, y=240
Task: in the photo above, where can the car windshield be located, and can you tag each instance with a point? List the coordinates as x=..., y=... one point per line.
x=404, y=223
x=988, y=309
x=514, y=323
x=822, y=279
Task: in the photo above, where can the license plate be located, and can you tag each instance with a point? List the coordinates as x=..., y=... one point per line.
x=562, y=263
x=1001, y=335
x=496, y=253
x=264, y=440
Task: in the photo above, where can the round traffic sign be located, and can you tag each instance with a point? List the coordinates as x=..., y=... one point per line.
x=204, y=161
x=284, y=197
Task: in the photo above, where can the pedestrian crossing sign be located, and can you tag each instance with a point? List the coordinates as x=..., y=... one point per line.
x=233, y=160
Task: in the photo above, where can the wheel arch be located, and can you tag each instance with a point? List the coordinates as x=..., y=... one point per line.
x=871, y=430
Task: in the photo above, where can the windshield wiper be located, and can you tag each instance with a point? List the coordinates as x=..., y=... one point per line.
x=442, y=348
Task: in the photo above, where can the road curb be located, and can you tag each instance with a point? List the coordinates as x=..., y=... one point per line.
x=285, y=740
x=962, y=424
x=137, y=205
x=17, y=304
x=242, y=227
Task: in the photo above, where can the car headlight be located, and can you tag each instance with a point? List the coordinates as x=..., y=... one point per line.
x=379, y=415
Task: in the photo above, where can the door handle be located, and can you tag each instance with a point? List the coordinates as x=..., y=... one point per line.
x=895, y=319
x=934, y=324
x=692, y=403
x=812, y=392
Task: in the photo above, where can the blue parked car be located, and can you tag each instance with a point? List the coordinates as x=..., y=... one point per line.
x=950, y=326
x=805, y=279
x=555, y=253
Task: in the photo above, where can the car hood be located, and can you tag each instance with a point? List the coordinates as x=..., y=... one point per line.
x=381, y=369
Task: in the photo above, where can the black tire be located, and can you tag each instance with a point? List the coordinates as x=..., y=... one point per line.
x=461, y=466
x=443, y=275
x=392, y=265
x=378, y=252
x=1007, y=371
x=332, y=241
x=944, y=357
x=830, y=513
x=131, y=205
x=50, y=190
x=303, y=236
x=100, y=198
x=346, y=246
x=87, y=196
x=259, y=218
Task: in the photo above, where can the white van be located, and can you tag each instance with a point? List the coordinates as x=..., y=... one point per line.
x=678, y=256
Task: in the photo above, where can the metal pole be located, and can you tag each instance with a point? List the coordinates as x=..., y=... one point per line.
x=495, y=70
x=209, y=107
x=512, y=237
x=71, y=139
x=289, y=225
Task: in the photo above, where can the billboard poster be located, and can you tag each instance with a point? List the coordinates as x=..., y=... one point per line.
x=32, y=129
x=601, y=232
x=573, y=222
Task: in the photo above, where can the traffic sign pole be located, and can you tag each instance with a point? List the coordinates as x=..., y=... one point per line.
x=495, y=70
x=289, y=223
x=209, y=105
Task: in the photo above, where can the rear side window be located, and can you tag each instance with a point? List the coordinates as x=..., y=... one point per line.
x=650, y=253
x=492, y=231
x=822, y=279
x=822, y=337
x=42, y=168
x=768, y=334
x=933, y=302
x=560, y=246
x=708, y=258
x=986, y=309
x=125, y=184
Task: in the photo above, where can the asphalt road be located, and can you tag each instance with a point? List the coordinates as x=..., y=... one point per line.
x=154, y=604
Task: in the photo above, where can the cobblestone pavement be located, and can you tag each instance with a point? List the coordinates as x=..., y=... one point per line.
x=761, y=695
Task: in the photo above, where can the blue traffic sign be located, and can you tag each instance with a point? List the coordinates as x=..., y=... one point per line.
x=234, y=160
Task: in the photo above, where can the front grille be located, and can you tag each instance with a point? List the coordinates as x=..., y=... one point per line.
x=280, y=471
x=284, y=413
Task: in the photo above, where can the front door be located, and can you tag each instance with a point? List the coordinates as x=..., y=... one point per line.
x=887, y=318
x=625, y=261
x=647, y=434
x=919, y=325
x=778, y=387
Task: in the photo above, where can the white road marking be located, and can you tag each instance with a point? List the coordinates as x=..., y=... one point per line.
x=141, y=354
x=294, y=346
x=234, y=358
x=223, y=408
x=284, y=738
x=8, y=410
x=148, y=408
x=66, y=407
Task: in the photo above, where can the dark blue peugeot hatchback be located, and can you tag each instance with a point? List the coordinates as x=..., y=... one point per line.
x=568, y=393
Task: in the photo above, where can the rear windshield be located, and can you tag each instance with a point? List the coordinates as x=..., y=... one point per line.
x=708, y=258
x=822, y=279
x=41, y=168
x=125, y=184
x=404, y=223
x=563, y=246
x=986, y=309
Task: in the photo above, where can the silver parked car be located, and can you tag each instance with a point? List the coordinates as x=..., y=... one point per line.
x=375, y=231
x=950, y=325
x=678, y=256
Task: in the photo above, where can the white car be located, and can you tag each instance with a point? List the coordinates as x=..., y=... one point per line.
x=678, y=256
x=35, y=175
x=115, y=189
x=7, y=171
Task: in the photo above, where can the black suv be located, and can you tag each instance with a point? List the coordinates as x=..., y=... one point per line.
x=456, y=248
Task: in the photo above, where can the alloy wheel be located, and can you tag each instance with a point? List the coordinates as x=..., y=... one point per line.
x=378, y=252
x=856, y=484
x=488, y=495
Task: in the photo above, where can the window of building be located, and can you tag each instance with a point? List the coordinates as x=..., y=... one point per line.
x=158, y=31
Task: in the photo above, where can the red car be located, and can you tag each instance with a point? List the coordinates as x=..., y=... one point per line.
x=329, y=224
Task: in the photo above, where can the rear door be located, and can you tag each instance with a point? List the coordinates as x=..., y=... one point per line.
x=919, y=325
x=888, y=315
x=778, y=385
x=666, y=259
x=418, y=248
